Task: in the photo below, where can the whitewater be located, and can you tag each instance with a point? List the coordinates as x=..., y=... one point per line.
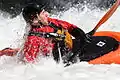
x=11, y=35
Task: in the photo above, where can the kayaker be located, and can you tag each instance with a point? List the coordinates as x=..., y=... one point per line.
x=40, y=24
x=45, y=33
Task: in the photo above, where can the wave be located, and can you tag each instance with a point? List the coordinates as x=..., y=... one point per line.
x=14, y=7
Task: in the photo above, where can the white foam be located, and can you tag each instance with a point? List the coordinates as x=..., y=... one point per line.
x=12, y=30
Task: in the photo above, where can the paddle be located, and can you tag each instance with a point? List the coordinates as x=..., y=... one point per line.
x=106, y=17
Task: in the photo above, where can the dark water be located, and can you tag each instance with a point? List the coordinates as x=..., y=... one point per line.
x=14, y=7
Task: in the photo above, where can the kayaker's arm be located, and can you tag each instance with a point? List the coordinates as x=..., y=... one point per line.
x=9, y=52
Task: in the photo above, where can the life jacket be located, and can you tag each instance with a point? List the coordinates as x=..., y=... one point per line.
x=54, y=27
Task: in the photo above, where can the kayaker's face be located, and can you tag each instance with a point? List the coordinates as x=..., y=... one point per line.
x=41, y=17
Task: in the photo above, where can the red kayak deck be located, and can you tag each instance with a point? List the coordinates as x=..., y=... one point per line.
x=111, y=57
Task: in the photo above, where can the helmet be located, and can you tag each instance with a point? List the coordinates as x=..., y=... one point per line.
x=29, y=12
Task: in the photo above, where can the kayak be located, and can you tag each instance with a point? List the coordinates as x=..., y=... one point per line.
x=111, y=57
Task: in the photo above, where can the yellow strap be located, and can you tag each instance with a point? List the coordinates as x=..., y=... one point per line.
x=68, y=38
x=60, y=31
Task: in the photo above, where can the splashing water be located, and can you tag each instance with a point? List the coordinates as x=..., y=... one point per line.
x=12, y=31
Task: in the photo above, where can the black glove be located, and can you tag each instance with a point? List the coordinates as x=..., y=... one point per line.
x=91, y=32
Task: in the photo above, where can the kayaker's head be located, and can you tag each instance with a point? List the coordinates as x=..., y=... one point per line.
x=35, y=14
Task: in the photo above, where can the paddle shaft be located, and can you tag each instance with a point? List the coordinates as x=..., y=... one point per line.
x=106, y=16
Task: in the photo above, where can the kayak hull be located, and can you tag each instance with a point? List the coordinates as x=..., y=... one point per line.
x=111, y=57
